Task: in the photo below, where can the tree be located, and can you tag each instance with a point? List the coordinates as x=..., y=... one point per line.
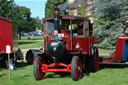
x=38, y=23
x=23, y=19
x=110, y=18
x=6, y=8
x=20, y=14
x=81, y=10
x=49, y=7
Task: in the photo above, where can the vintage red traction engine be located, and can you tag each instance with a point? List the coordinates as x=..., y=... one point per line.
x=68, y=47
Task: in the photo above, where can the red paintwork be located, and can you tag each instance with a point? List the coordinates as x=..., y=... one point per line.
x=85, y=43
x=97, y=60
x=66, y=37
x=78, y=64
x=118, y=55
x=39, y=68
x=78, y=52
x=4, y=19
x=5, y=34
x=107, y=60
x=48, y=68
x=124, y=37
x=119, y=48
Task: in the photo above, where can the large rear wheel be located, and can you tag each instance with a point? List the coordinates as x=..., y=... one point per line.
x=93, y=61
x=38, y=69
x=76, y=68
x=97, y=60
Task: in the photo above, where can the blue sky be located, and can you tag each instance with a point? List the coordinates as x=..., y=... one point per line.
x=37, y=7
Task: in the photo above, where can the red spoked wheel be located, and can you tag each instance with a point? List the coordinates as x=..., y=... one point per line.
x=76, y=68
x=38, y=69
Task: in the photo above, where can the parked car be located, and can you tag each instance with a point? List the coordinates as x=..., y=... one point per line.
x=35, y=33
x=24, y=34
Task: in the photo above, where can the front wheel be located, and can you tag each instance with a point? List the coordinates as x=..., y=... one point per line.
x=76, y=68
x=38, y=69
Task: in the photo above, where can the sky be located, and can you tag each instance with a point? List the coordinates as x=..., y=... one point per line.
x=37, y=7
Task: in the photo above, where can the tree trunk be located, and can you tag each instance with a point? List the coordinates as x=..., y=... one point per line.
x=19, y=36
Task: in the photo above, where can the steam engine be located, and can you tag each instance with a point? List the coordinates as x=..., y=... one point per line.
x=66, y=49
x=56, y=47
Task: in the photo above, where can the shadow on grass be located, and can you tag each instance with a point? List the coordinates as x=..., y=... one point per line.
x=63, y=75
x=24, y=76
x=35, y=39
x=58, y=75
x=21, y=64
x=2, y=75
x=21, y=43
x=114, y=65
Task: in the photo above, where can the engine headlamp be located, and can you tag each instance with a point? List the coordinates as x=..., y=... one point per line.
x=77, y=45
x=54, y=49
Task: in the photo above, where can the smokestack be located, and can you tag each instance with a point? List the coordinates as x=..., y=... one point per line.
x=56, y=18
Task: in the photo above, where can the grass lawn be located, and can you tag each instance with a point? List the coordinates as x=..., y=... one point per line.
x=23, y=75
x=104, y=52
x=34, y=42
x=32, y=37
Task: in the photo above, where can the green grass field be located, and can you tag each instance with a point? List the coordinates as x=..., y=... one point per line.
x=34, y=42
x=109, y=74
x=115, y=74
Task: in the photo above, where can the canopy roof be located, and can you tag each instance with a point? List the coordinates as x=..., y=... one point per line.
x=2, y=18
x=66, y=17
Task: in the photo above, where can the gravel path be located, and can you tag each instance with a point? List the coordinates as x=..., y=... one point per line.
x=24, y=51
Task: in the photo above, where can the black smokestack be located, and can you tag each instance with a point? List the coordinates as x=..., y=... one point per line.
x=56, y=18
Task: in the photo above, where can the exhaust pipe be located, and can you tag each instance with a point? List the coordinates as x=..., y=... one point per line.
x=57, y=19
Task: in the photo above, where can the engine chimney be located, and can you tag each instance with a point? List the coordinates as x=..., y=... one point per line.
x=56, y=18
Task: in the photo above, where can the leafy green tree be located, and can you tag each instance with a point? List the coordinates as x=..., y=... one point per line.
x=49, y=7
x=6, y=7
x=23, y=19
x=21, y=15
x=111, y=17
x=38, y=23
x=81, y=10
